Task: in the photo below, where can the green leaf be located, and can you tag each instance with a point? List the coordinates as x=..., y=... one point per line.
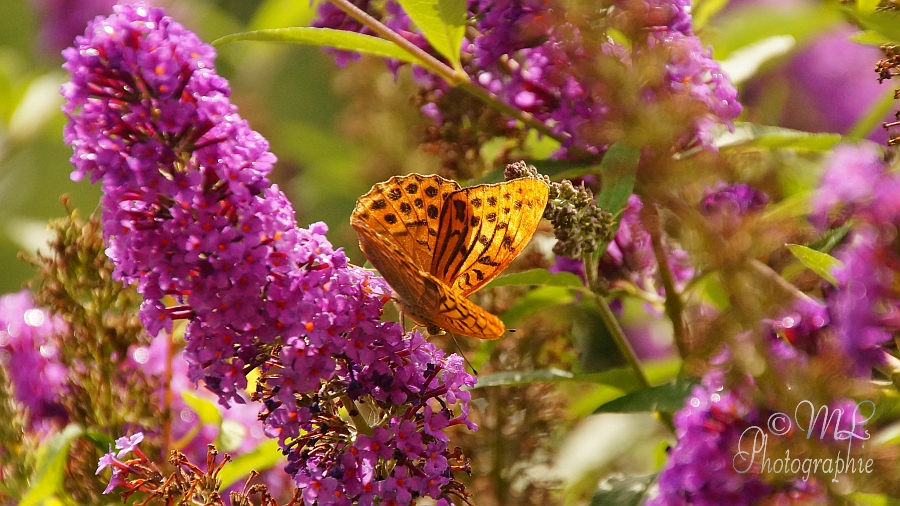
x=739, y=28
x=886, y=23
x=744, y=63
x=514, y=378
x=51, y=465
x=760, y=137
x=867, y=6
x=537, y=300
x=538, y=277
x=818, y=262
x=263, y=457
x=339, y=39
x=870, y=38
x=622, y=490
x=207, y=410
x=666, y=398
x=621, y=378
x=831, y=238
x=617, y=170
x=442, y=22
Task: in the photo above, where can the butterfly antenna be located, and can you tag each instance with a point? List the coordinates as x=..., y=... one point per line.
x=465, y=358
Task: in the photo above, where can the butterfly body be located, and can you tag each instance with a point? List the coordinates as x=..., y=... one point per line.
x=436, y=243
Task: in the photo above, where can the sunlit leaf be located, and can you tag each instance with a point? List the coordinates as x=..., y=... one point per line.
x=744, y=63
x=761, y=137
x=820, y=263
x=442, y=22
x=338, y=39
x=51, y=465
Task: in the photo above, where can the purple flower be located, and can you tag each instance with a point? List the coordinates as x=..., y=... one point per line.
x=853, y=175
x=128, y=444
x=527, y=54
x=190, y=214
x=735, y=200
x=701, y=469
x=630, y=256
x=31, y=359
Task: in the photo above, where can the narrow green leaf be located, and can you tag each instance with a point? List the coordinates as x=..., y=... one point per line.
x=339, y=39
x=442, y=22
x=538, y=277
x=622, y=490
x=207, y=410
x=51, y=466
x=818, y=262
x=744, y=63
x=539, y=299
x=870, y=38
x=514, y=378
x=618, y=170
x=760, y=137
x=666, y=398
x=873, y=117
x=263, y=457
x=830, y=238
x=867, y=6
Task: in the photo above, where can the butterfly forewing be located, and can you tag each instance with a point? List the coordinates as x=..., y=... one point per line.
x=485, y=227
x=404, y=211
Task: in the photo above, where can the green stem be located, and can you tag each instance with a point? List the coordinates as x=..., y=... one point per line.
x=673, y=304
x=456, y=78
x=618, y=335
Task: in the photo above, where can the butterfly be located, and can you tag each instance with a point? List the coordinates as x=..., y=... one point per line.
x=436, y=243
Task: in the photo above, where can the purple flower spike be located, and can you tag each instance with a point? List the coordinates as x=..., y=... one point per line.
x=189, y=214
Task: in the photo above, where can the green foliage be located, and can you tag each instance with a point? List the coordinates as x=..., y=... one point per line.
x=820, y=263
x=666, y=398
x=51, y=465
x=338, y=39
x=443, y=22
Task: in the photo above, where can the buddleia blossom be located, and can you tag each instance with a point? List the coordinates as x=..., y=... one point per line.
x=31, y=358
x=189, y=214
x=700, y=470
x=531, y=56
x=630, y=256
x=857, y=185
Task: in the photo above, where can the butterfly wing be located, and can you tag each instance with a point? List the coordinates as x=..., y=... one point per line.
x=404, y=211
x=425, y=299
x=483, y=228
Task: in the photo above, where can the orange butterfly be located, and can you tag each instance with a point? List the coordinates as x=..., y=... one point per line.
x=436, y=244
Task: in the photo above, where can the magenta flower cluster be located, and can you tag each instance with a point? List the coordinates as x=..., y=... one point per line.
x=190, y=216
x=857, y=184
x=524, y=54
x=31, y=359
